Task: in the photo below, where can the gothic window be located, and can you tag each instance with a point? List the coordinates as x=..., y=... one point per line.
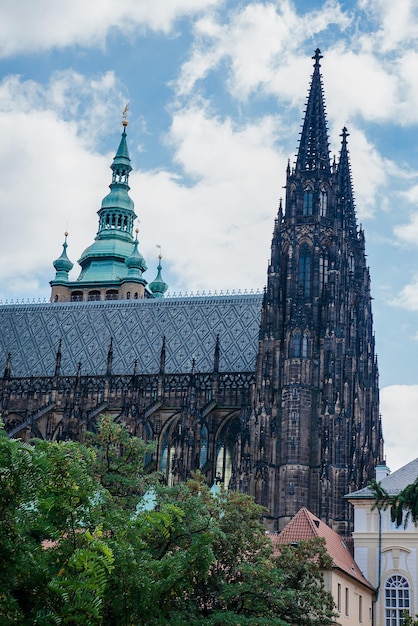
x=203, y=447
x=323, y=202
x=305, y=270
x=305, y=346
x=323, y=271
x=307, y=201
x=166, y=459
x=396, y=599
x=224, y=464
x=351, y=263
x=296, y=344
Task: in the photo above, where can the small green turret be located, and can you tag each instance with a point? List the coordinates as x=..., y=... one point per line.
x=63, y=264
x=158, y=285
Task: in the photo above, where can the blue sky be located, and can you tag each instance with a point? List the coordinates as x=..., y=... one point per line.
x=216, y=93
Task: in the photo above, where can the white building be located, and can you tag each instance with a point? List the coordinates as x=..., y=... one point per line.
x=387, y=555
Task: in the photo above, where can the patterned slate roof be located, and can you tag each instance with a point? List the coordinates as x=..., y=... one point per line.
x=305, y=525
x=31, y=334
x=394, y=483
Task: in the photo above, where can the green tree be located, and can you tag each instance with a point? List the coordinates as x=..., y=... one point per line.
x=81, y=546
x=407, y=620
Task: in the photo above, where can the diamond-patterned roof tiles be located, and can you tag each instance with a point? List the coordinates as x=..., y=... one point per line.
x=305, y=525
x=31, y=334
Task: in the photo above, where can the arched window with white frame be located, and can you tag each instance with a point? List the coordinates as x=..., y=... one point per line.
x=397, y=599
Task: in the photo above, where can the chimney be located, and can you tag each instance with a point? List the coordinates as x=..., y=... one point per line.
x=382, y=471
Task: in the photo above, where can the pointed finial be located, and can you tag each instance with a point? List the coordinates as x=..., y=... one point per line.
x=58, y=358
x=109, y=358
x=8, y=368
x=216, y=355
x=163, y=356
x=344, y=134
x=317, y=57
x=124, y=115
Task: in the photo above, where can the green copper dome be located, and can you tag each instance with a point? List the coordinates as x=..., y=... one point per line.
x=158, y=285
x=136, y=262
x=63, y=264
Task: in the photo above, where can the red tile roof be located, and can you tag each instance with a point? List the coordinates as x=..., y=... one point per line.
x=304, y=526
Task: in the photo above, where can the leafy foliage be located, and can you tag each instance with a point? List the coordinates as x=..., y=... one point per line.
x=403, y=506
x=80, y=547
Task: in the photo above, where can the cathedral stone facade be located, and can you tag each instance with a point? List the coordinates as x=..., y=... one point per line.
x=274, y=395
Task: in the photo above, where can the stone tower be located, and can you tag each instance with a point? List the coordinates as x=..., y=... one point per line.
x=315, y=433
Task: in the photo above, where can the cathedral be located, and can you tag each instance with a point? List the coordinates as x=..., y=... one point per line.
x=275, y=395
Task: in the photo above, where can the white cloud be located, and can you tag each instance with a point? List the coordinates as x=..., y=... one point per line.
x=256, y=41
x=399, y=408
x=397, y=23
x=216, y=231
x=408, y=297
x=26, y=25
x=408, y=233
x=38, y=158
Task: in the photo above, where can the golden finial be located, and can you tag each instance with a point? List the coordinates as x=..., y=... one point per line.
x=125, y=114
x=159, y=255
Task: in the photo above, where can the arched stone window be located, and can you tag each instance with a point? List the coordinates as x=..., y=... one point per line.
x=93, y=295
x=167, y=457
x=397, y=599
x=296, y=344
x=224, y=463
x=305, y=270
x=203, y=447
x=351, y=263
x=111, y=294
x=307, y=200
x=305, y=345
x=76, y=296
x=323, y=202
x=323, y=271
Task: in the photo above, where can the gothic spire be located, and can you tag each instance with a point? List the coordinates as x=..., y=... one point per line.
x=313, y=153
x=345, y=184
